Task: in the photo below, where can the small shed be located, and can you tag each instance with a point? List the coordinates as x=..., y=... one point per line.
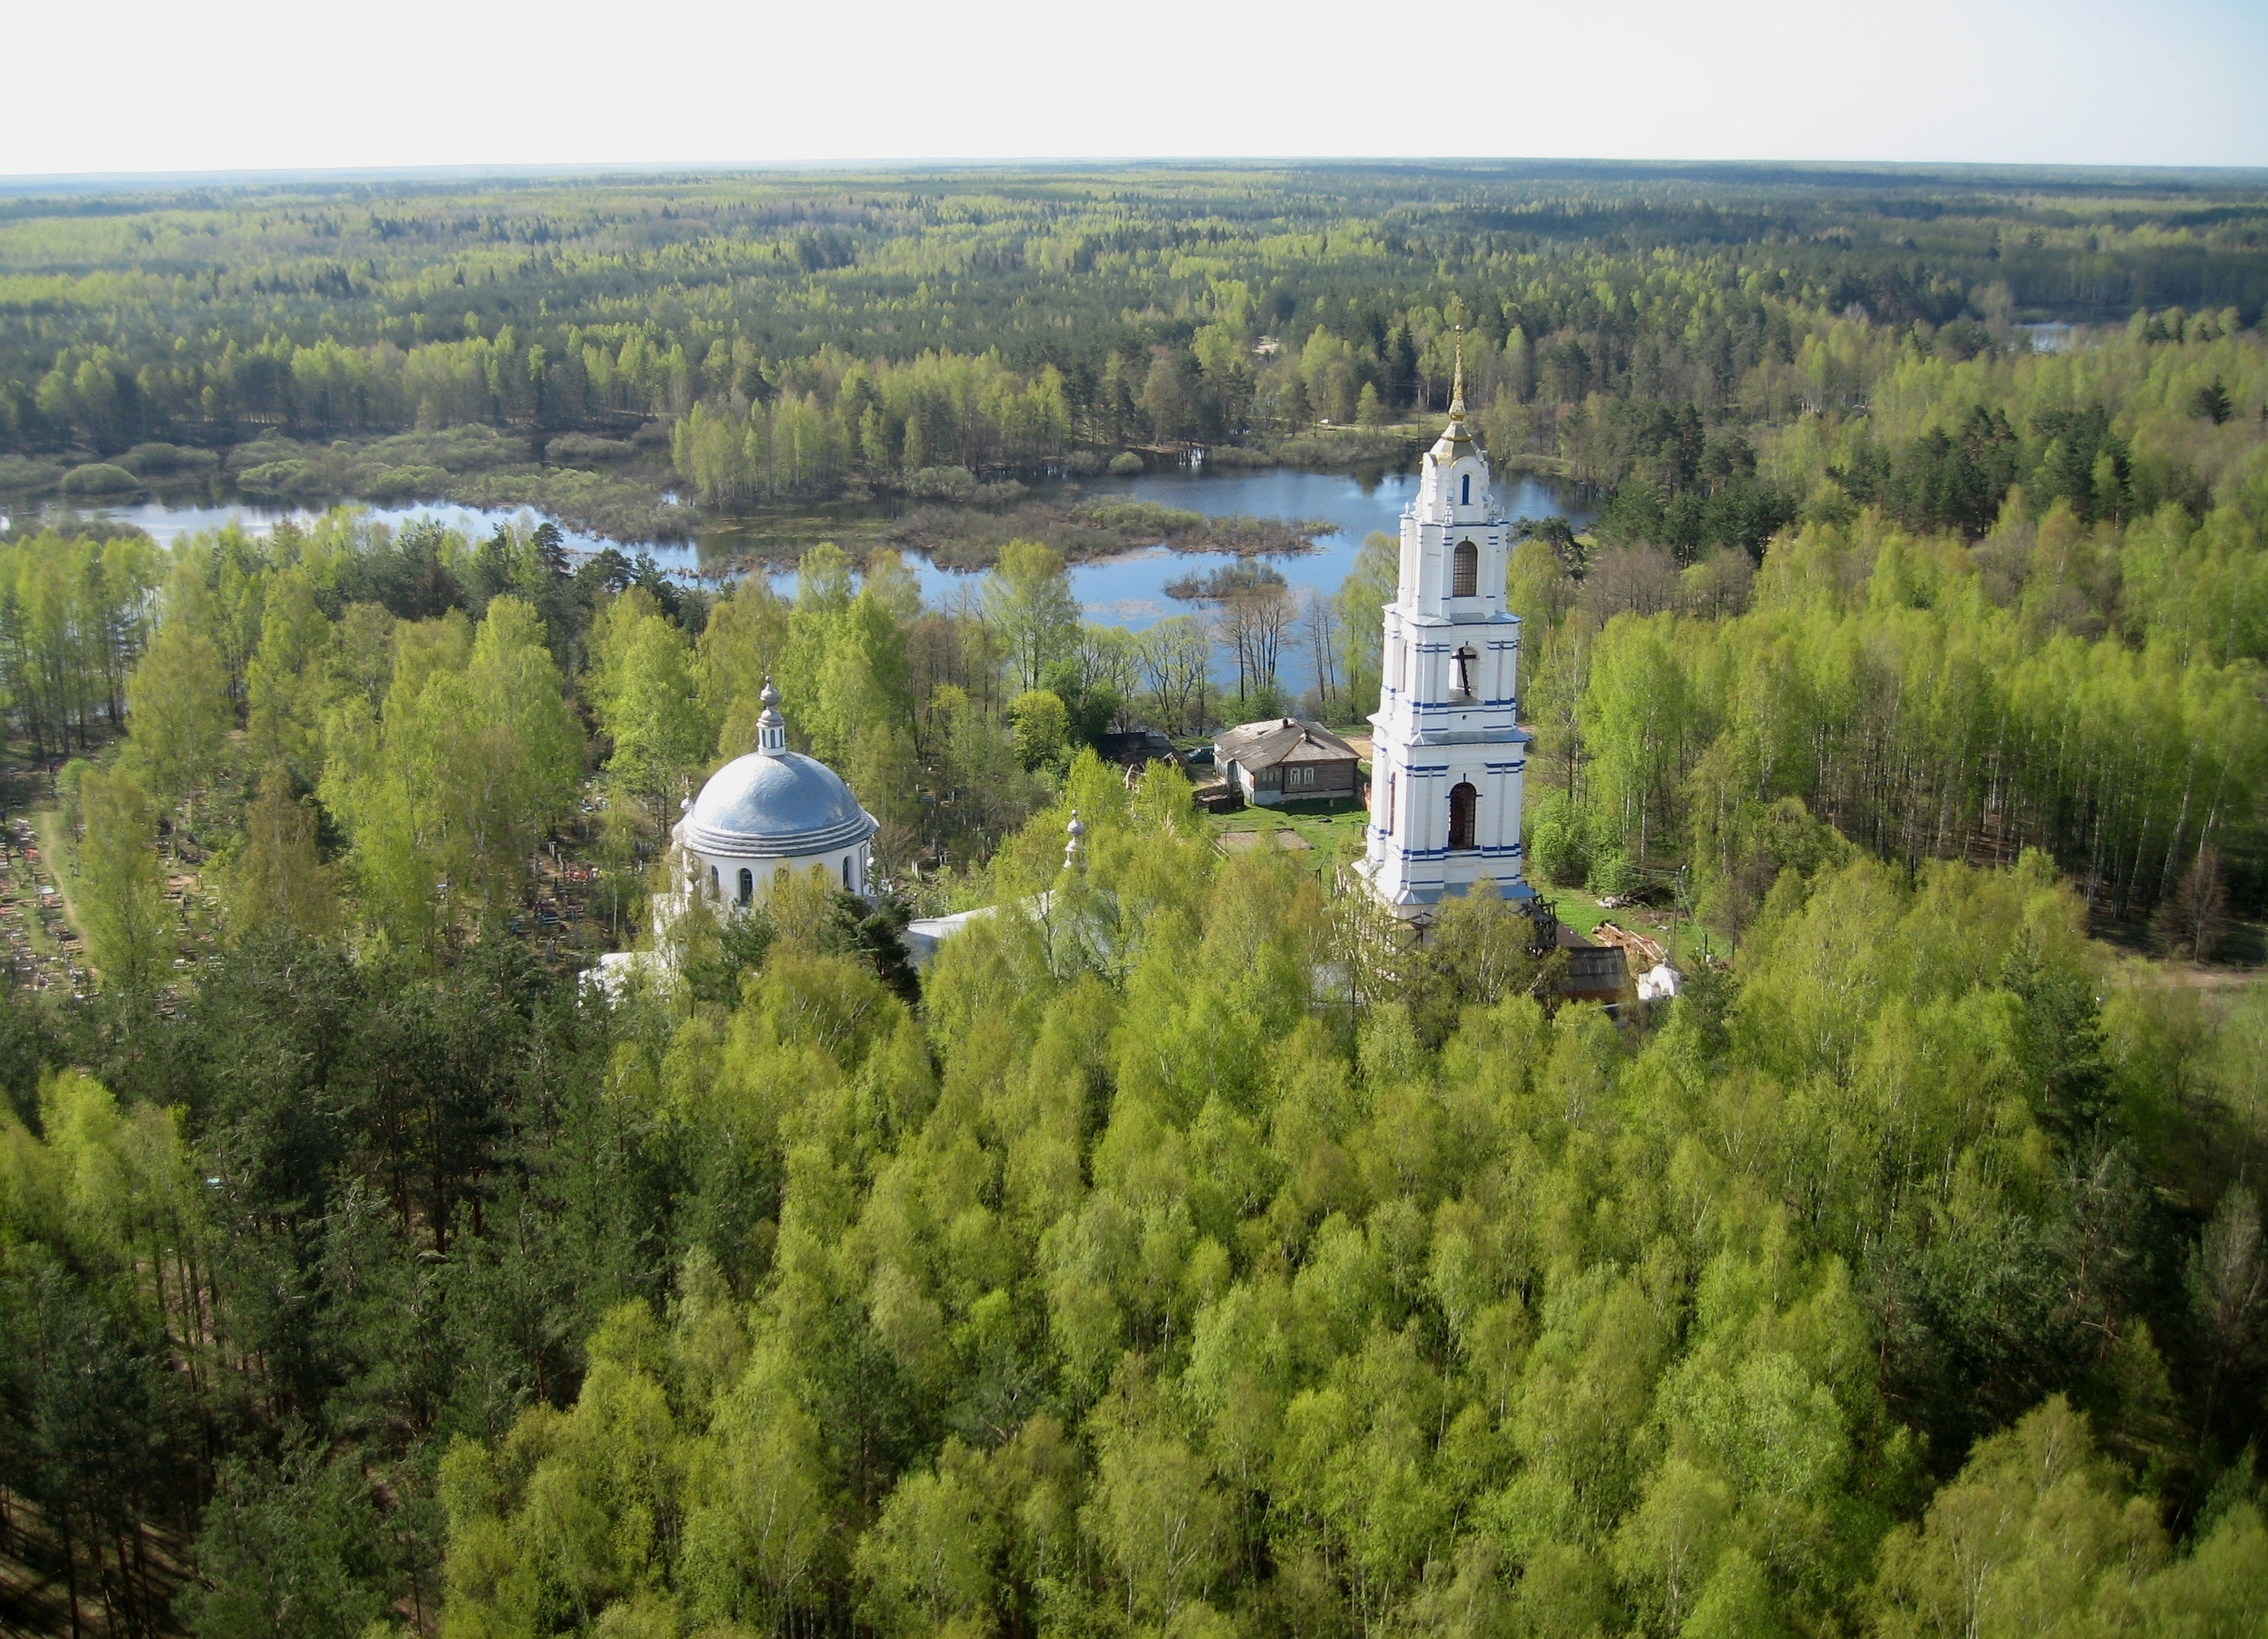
x=1137, y=748
x=1285, y=759
x=1595, y=972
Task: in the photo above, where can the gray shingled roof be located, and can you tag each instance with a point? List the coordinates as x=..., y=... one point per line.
x=1281, y=740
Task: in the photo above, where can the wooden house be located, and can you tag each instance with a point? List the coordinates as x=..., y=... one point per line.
x=1285, y=759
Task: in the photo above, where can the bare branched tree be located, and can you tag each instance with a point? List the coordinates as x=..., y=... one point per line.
x=1322, y=633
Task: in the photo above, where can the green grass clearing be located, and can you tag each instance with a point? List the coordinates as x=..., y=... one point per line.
x=1324, y=826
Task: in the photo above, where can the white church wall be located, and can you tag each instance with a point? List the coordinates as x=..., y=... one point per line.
x=847, y=868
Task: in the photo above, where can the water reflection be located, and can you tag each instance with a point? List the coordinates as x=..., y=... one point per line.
x=1127, y=590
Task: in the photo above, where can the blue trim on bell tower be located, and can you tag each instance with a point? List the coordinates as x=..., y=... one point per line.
x=1447, y=751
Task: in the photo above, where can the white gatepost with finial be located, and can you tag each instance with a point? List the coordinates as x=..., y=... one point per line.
x=1447, y=753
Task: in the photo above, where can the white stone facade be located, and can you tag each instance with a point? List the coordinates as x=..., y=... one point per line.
x=1447, y=754
x=734, y=881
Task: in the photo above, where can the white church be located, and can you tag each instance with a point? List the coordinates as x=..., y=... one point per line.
x=772, y=810
x=1447, y=757
x=1446, y=750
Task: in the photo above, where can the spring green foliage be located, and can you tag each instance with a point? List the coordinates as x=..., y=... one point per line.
x=279, y=876
x=642, y=693
x=934, y=412
x=1122, y=1290
x=74, y=614
x=1030, y=601
x=1147, y=1275
x=1368, y=586
x=456, y=777
x=1183, y=1255
x=2038, y=1534
x=442, y=700
x=1878, y=681
x=120, y=886
x=2070, y=662
x=1041, y=726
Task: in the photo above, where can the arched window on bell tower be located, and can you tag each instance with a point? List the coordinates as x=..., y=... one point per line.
x=1465, y=496
x=1462, y=665
x=1465, y=569
x=1463, y=799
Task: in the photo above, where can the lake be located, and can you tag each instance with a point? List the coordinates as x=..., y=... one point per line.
x=1127, y=590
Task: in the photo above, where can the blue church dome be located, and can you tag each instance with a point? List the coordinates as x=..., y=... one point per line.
x=775, y=804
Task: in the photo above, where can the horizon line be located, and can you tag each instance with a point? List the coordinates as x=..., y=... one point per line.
x=62, y=181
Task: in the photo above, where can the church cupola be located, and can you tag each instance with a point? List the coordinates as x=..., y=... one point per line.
x=771, y=727
x=1454, y=564
x=1455, y=435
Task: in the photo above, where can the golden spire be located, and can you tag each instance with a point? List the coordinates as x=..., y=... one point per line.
x=1457, y=392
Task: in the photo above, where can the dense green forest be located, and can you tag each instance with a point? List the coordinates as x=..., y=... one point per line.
x=1180, y=1254
x=791, y=338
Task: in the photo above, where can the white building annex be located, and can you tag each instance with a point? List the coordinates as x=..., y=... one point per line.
x=772, y=810
x=1447, y=750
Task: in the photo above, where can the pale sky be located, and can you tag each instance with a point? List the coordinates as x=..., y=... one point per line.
x=139, y=86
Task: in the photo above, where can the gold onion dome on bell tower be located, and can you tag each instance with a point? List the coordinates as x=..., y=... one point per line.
x=1456, y=431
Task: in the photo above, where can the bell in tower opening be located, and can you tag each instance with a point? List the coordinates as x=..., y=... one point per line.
x=1447, y=751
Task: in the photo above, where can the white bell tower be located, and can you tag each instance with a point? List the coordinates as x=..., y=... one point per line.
x=1446, y=750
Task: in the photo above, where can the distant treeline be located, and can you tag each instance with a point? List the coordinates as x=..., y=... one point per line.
x=873, y=328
